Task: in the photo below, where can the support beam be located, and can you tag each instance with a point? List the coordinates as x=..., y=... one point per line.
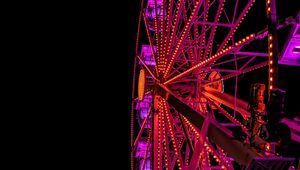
x=272, y=45
x=212, y=59
x=142, y=127
x=246, y=70
x=183, y=36
x=227, y=100
x=251, y=53
x=146, y=67
x=232, y=119
x=236, y=24
x=155, y=142
x=243, y=154
x=199, y=146
x=214, y=23
x=151, y=44
x=213, y=30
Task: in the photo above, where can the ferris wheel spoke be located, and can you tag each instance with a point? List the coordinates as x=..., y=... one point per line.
x=157, y=28
x=186, y=156
x=147, y=149
x=162, y=27
x=166, y=145
x=176, y=70
x=183, y=36
x=207, y=148
x=168, y=20
x=174, y=26
x=151, y=43
x=246, y=70
x=216, y=24
x=237, y=70
x=210, y=149
x=213, y=29
x=226, y=99
x=219, y=158
x=193, y=154
x=236, y=24
x=257, y=54
x=225, y=113
x=221, y=70
x=191, y=51
x=194, y=51
x=147, y=68
x=202, y=40
x=172, y=132
x=156, y=135
x=229, y=60
x=186, y=133
x=167, y=32
x=139, y=27
x=247, y=63
x=234, y=11
x=241, y=71
x=191, y=39
x=142, y=127
x=200, y=145
x=228, y=50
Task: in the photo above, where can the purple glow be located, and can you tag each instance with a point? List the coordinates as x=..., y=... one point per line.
x=291, y=49
x=151, y=14
x=140, y=153
x=294, y=125
x=147, y=165
x=157, y=1
x=143, y=108
x=296, y=49
x=146, y=55
x=141, y=149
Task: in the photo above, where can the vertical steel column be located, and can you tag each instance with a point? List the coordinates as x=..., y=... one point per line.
x=272, y=45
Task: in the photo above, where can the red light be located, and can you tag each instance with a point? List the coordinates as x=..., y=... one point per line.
x=268, y=147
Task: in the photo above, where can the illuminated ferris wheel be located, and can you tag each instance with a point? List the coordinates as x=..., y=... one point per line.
x=182, y=115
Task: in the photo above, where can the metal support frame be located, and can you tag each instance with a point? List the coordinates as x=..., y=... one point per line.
x=272, y=45
x=216, y=132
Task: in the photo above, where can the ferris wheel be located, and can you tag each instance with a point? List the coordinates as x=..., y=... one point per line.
x=183, y=114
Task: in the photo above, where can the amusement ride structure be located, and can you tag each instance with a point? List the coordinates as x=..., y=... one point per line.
x=186, y=111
